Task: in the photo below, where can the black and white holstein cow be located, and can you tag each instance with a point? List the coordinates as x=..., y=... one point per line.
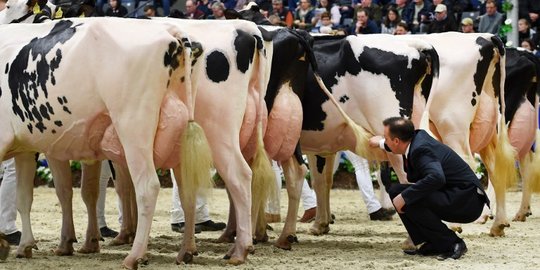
x=521, y=91
x=373, y=77
x=52, y=108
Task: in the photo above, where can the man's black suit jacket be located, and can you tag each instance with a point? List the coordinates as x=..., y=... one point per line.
x=432, y=166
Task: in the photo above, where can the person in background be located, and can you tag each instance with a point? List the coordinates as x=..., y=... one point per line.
x=492, y=20
x=149, y=11
x=363, y=24
x=116, y=9
x=442, y=22
x=390, y=22
x=280, y=15
x=529, y=46
x=332, y=11
x=417, y=14
x=402, y=29
x=467, y=25
x=525, y=31
x=8, y=201
x=304, y=15
x=373, y=10
x=218, y=10
x=192, y=12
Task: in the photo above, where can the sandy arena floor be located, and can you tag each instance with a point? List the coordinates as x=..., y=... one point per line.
x=354, y=242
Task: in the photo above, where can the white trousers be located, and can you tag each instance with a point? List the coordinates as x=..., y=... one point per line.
x=8, y=198
x=104, y=177
x=363, y=178
x=177, y=213
x=308, y=195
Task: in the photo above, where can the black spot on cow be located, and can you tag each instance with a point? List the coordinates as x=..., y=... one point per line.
x=182, y=79
x=6, y=69
x=49, y=108
x=44, y=112
x=217, y=67
x=486, y=54
x=474, y=94
x=28, y=85
x=53, y=131
x=244, y=45
x=60, y=100
x=196, y=52
x=343, y=99
x=58, y=123
x=0, y=91
x=473, y=101
x=321, y=162
x=64, y=99
x=66, y=109
x=30, y=128
x=336, y=59
x=170, y=59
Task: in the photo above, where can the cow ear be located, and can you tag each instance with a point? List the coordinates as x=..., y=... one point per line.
x=231, y=14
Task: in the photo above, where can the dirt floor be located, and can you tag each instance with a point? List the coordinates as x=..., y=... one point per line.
x=354, y=242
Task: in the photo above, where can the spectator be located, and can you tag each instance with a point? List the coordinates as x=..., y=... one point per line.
x=325, y=24
x=533, y=7
x=417, y=14
x=280, y=15
x=525, y=31
x=175, y=13
x=442, y=22
x=492, y=20
x=467, y=25
x=116, y=9
x=218, y=10
x=149, y=11
x=304, y=15
x=402, y=29
x=529, y=46
x=345, y=9
x=363, y=24
x=390, y=22
x=192, y=12
x=374, y=10
x=332, y=10
x=205, y=6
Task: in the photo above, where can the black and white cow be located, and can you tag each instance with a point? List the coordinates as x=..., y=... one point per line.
x=521, y=90
x=54, y=107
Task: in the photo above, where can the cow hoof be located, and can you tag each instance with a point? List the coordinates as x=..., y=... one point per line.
x=88, y=249
x=319, y=230
x=133, y=263
x=482, y=219
x=235, y=261
x=285, y=245
x=63, y=251
x=186, y=258
x=26, y=252
x=520, y=217
x=261, y=239
x=498, y=231
x=4, y=249
x=226, y=238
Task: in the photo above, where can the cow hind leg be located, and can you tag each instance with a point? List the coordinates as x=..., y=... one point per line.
x=90, y=193
x=63, y=184
x=25, y=165
x=526, y=177
x=294, y=178
x=322, y=183
x=230, y=231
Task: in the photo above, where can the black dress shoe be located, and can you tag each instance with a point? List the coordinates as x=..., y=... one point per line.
x=382, y=215
x=211, y=226
x=458, y=249
x=13, y=238
x=179, y=227
x=107, y=232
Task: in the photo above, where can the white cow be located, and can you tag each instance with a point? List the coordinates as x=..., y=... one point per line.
x=54, y=107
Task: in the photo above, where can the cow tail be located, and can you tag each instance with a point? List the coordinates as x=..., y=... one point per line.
x=505, y=154
x=433, y=73
x=361, y=135
x=263, y=179
x=195, y=154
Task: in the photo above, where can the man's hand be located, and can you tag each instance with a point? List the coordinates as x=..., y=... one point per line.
x=374, y=141
x=399, y=202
